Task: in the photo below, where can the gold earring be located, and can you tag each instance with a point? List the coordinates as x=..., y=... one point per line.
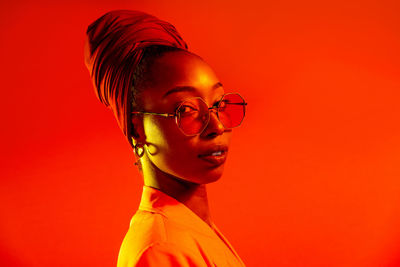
x=139, y=149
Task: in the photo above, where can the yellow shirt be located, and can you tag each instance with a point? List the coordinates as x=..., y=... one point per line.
x=164, y=232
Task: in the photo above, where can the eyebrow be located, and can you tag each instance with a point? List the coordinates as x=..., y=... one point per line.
x=188, y=89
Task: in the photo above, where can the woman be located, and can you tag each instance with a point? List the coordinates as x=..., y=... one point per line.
x=176, y=116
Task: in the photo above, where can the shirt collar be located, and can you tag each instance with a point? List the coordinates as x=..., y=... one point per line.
x=154, y=200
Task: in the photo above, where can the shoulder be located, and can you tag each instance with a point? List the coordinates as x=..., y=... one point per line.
x=145, y=229
x=166, y=254
x=153, y=239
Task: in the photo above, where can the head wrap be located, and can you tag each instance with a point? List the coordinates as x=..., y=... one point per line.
x=114, y=46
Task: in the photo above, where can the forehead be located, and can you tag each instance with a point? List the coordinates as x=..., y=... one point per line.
x=178, y=69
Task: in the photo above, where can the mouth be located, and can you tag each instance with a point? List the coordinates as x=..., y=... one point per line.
x=216, y=156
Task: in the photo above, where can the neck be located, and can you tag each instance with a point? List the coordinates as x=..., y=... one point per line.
x=193, y=196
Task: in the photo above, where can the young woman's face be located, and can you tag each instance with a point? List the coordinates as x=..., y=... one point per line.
x=169, y=149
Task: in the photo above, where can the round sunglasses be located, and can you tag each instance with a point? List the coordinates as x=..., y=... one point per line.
x=193, y=114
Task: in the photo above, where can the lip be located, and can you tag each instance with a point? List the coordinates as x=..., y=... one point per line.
x=216, y=160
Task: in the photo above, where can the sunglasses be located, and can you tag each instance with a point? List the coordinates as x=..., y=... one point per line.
x=193, y=114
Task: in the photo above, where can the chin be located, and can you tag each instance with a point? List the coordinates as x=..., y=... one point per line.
x=209, y=176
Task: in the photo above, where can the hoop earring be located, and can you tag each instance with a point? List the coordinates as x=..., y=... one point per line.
x=139, y=149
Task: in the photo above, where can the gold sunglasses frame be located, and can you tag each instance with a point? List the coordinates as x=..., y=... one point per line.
x=175, y=114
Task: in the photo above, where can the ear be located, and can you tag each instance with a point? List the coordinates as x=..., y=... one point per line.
x=137, y=129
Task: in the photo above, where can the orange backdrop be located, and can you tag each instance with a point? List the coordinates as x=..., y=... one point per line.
x=312, y=178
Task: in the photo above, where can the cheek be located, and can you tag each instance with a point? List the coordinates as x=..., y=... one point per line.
x=154, y=130
x=174, y=153
x=170, y=150
x=164, y=138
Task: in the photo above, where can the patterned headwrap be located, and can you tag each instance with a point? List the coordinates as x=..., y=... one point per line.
x=114, y=46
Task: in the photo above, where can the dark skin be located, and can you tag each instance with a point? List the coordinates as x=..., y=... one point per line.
x=170, y=162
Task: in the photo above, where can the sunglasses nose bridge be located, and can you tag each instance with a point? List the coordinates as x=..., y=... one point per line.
x=215, y=121
x=213, y=108
x=210, y=110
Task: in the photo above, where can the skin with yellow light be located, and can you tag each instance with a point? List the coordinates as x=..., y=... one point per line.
x=170, y=162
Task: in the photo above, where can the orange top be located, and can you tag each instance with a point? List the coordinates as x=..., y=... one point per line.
x=164, y=232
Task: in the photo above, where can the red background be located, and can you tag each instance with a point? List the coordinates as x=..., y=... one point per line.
x=312, y=178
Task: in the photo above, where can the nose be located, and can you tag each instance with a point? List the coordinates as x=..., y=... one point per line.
x=214, y=127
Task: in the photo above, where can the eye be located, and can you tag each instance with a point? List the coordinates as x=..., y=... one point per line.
x=187, y=110
x=222, y=105
x=221, y=102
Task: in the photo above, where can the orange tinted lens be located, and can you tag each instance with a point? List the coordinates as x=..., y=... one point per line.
x=231, y=110
x=192, y=116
